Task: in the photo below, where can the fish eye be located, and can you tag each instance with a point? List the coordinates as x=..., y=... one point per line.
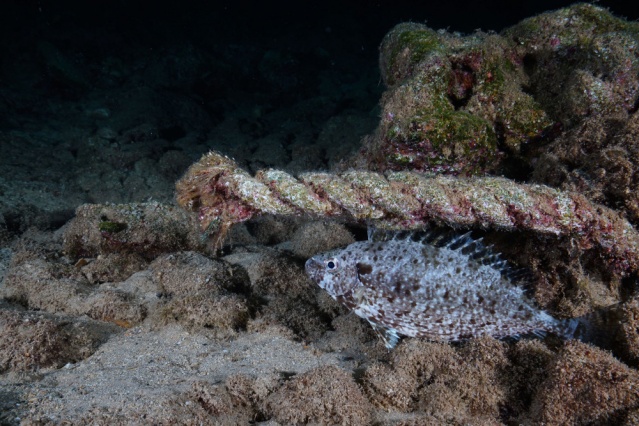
x=331, y=264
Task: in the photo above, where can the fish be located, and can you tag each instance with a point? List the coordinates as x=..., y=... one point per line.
x=442, y=286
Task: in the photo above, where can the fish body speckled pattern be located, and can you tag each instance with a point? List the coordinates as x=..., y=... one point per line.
x=412, y=285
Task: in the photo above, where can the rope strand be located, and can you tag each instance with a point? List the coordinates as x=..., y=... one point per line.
x=223, y=194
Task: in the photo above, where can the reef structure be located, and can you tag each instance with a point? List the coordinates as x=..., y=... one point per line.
x=533, y=131
x=473, y=104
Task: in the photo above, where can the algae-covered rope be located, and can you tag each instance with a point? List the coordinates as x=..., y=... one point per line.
x=223, y=194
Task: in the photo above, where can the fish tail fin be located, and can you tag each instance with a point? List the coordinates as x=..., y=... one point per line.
x=595, y=327
x=573, y=328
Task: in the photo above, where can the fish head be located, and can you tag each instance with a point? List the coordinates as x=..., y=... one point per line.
x=333, y=272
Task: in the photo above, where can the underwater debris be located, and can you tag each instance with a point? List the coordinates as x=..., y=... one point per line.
x=223, y=194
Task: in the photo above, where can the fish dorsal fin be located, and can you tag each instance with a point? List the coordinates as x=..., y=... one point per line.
x=424, y=236
x=453, y=240
x=475, y=249
x=441, y=238
x=379, y=235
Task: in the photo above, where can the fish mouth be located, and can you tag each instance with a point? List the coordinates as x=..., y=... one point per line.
x=313, y=268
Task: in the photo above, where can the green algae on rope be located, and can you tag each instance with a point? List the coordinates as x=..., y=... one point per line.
x=223, y=194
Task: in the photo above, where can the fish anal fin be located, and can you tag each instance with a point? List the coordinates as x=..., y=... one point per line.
x=388, y=336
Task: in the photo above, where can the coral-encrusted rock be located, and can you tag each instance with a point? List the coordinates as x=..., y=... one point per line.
x=583, y=65
x=112, y=267
x=31, y=341
x=41, y=285
x=200, y=292
x=472, y=105
x=584, y=69
x=570, y=283
x=147, y=229
x=218, y=402
x=58, y=288
x=585, y=385
x=454, y=103
x=529, y=364
x=318, y=237
x=325, y=395
x=581, y=61
x=464, y=386
x=289, y=298
x=628, y=332
x=599, y=158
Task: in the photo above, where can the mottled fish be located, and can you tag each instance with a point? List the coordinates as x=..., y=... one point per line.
x=436, y=286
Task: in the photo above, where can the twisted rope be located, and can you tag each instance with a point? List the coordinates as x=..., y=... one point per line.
x=223, y=194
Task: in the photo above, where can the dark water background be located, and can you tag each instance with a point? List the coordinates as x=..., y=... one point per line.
x=110, y=101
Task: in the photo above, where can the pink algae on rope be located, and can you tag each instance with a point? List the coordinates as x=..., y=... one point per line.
x=223, y=194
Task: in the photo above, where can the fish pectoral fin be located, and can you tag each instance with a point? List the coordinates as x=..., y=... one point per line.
x=359, y=296
x=389, y=336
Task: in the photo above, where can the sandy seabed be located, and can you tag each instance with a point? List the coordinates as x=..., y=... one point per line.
x=176, y=336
